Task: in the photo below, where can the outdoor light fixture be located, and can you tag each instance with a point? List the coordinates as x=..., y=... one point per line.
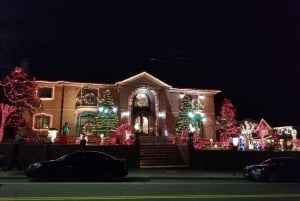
x=107, y=112
x=181, y=96
x=52, y=133
x=235, y=142
x=125, y=114
x=162, y=114
x=102, y=138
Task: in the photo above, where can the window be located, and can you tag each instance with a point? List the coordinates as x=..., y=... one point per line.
x=86, y=121
x=42, y=121
x=45, y=92
x=141, y=100
x=87, y=97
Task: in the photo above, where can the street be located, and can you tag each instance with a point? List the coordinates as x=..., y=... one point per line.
x=147, y=189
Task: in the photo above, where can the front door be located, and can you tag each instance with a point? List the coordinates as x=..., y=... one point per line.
x=141, y=124
x=143, y=114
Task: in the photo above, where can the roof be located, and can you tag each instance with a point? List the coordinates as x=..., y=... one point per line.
x=141, y=79
x=263, y=122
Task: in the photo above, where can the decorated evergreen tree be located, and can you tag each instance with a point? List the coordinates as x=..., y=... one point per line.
x=183, y=120
x=228, y=123
x=20, y=91
x=99, y=124
x=107, y=117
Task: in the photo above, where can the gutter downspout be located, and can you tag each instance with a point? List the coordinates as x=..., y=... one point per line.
x=62, y=108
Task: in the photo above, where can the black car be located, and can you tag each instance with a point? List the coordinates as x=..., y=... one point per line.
x=274, y=169
x=2, y=161
x=79, y=164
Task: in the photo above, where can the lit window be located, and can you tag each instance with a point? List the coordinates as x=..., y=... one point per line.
x=88, y=97
x=141, y=100
x=45, y=92
x=42, y=121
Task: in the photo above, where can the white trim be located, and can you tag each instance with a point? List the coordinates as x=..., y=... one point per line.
x=42, y=114
x=143, y=74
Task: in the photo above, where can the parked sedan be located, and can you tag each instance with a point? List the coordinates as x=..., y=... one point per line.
x=79, y=164
x=274, y=169
x=2, y=161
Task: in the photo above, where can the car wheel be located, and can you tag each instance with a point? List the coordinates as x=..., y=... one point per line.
x=106, y=173
x=272, y=177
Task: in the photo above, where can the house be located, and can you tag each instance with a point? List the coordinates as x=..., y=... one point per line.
x=143, y=101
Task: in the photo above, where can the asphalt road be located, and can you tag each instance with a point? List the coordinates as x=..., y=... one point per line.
x=149, y=189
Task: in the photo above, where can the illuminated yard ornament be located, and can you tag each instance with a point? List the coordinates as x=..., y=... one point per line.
x=87, y=128
x=166, y=132
x=235, y=142
x=101, y=138
x=84, y=137
x=285, y=137
x=198, y=120
x=242, y=143
x=52, y=134
x=126, y=133
x=247, y=128
x=211, y=141
x=263, y=130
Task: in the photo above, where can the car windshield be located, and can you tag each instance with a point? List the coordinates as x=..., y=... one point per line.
x=269, y=161
x=80, y=155
x=277, y=160
x=62, y=158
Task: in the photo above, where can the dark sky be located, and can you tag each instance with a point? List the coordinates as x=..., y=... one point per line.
x=250, y=50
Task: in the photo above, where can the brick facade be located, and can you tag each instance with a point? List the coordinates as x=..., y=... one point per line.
x=66, y=104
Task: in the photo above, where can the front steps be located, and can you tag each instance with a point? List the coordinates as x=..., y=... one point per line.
x=161, y=156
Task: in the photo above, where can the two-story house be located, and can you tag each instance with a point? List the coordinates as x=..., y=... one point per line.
x=143, y=101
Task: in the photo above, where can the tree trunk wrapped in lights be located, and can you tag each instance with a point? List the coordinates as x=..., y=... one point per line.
x=6, y=110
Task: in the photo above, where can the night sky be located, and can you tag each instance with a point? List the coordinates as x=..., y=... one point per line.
x=250, y=50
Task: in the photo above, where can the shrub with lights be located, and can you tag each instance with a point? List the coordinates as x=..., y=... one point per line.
x=125, y=134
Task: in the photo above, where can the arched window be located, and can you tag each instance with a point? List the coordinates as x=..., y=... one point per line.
x=84, y=122
x=141, y=100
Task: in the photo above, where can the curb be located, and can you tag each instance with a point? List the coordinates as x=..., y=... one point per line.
x=141, y=175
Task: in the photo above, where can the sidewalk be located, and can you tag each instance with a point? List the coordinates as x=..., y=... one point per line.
x=161, y=173
x=184, y=173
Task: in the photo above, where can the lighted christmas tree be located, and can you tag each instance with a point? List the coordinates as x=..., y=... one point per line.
x=107, y=117
x=20, y=91
x=99, y=125
x=228, y=123
x=183, y=121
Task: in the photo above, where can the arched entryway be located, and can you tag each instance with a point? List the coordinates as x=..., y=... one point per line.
x=84, y=123
x=143, y=106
